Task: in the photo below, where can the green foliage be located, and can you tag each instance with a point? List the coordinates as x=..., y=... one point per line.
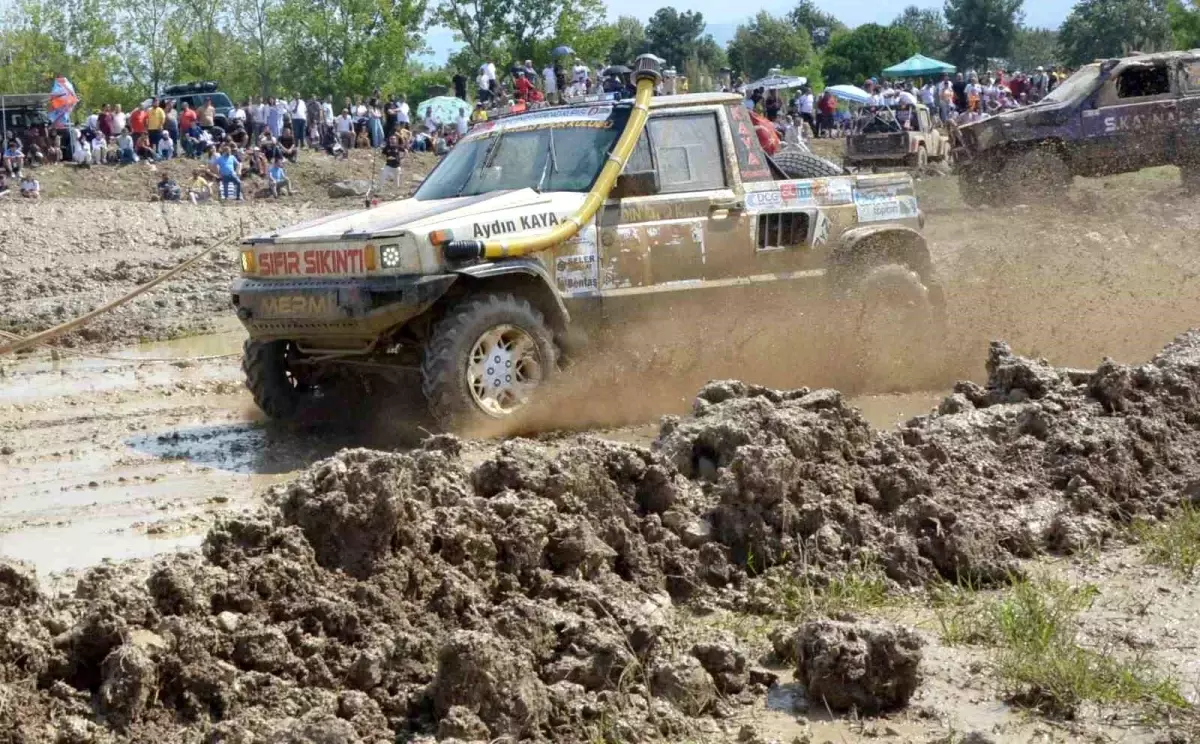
x=980, y=29
x=855, y=55
x=675, y=36
x=629, y=40
x=1184, y=20
x=819, y=25
x=812, y=71
x=1174, y=542
x=1033, y=47
x=1032, y=629
x=928, y=27
x=1113, y=28
x=765, y=42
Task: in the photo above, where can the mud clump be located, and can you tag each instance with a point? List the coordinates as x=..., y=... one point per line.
x=540, y=593
x=869, y=667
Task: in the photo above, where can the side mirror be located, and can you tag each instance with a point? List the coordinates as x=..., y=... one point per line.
x=637, y=183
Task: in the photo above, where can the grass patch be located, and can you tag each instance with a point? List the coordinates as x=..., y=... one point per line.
x=1175, y=542
x=1032, y=628
x=801, y=595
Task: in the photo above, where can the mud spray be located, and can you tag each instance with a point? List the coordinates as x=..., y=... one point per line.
x=543, y=591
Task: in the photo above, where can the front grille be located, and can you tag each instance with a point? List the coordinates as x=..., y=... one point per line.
x=880, y=144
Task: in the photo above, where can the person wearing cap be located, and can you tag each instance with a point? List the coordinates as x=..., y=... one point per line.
x=479, y=114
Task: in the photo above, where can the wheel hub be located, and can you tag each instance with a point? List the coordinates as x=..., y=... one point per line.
x=503, y=370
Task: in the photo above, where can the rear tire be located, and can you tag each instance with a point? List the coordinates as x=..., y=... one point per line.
x=1039, y=174
x=798, y=163
x=505, y=331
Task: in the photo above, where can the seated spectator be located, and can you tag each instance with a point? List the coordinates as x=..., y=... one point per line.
x=192, y=140
x=35, y=154
x=199, y=189
x=30, y=188
x=13, y=158
x=287, y=145
x=270, y=149
x=239, y=136
x=167, y=189
x=143, y=149
x=228, y=169
x=277, y=179
x=166, y=146
x=258, y=162
x=125, y=147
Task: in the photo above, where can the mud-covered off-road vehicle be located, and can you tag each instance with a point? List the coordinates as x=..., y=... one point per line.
x=1113, y=116
x=884, y=141
x=424, y=283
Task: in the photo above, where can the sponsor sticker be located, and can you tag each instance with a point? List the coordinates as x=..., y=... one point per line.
x=535, y=221
x=821, y=233
x=883, y=210
x=578, y=273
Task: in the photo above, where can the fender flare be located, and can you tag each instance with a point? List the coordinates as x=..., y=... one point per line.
x=896, y=244
x=519, y=267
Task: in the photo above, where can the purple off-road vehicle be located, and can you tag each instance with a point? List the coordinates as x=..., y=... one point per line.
x=1114, y=116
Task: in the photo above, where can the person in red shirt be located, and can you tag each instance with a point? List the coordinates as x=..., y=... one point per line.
x=523, y=86
x=187, y=117
x=137, y=121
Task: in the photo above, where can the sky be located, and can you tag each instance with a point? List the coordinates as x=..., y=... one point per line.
x=723, y=18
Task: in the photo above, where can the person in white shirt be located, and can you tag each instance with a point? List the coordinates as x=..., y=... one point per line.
x=166, y=147
x=403, y=112
x=579, y=78
x=345, y=129
x=461, y=125
x=298, y=110
x=551, y=81
x=260, y=117
x=119, y=119
x=904, y=98
x=93, y=121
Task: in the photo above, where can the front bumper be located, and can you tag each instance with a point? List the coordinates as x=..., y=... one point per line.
x=334, y=312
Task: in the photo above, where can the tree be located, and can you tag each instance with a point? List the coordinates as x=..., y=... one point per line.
x=819, y=25
x=928, y=27
x=1184, y=19
x=674, y=36
x=980, y=29
x=144, y=43
x=853, y=56
x=629, y=41
x=1034, y=47
x=765, y=42
x=1113, y=28
x=257, y=21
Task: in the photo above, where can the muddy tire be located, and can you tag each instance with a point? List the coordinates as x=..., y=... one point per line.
x=484, y=360
x=898, y=326
x=277, y=391
x=798, y=163
x=1036, y=174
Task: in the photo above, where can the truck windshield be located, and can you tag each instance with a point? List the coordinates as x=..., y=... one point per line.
x=552, y=158
x=1078, y=84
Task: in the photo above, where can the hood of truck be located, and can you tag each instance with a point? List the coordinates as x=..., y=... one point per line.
x=394, y=238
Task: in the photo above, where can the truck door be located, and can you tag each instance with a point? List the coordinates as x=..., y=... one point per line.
x=1132, y=120
x=670, y=232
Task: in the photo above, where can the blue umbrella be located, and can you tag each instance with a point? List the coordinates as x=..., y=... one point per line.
x=561, y=51
x=851, y=93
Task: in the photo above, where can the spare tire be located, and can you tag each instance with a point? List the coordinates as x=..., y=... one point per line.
x=798, y=163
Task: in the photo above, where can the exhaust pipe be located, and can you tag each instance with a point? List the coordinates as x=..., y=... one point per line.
x=647, y=73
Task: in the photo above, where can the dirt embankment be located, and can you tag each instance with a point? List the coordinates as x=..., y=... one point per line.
x=542, y=591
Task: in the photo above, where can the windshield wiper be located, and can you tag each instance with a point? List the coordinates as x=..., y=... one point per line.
x=551, y=162
x=488, y=155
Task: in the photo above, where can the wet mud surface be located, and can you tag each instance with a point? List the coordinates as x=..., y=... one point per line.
x=556, y=589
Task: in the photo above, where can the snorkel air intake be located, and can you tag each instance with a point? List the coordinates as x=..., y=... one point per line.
x=647, y=73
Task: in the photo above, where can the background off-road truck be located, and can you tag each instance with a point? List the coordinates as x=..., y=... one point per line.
x=1115, y=116
x=884, y=142
x=698, y=207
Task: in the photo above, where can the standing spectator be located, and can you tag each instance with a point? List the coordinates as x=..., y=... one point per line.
x=390, y=114
x=299, y=113
x=403, y=116
x=137, y=121
x=93, y=120
x=156, y=119
x=273, y=119
x=261, y=116
x=807, y=108
x=391, y=162
x=826, y=108
x=312, y=133
x=483, y=91
x=327, y=115
x=187, y=117
x=461, y=125
x=522, y=85
x=551, y=82
x=206, y=115
x=228, y=168
x=277, y=179
x=105, y=122
x=959, y=86
x=460, y=85
x=237, y=117
x=345, y=129
x=375, y=123
x=119, y=120
x=172, y=125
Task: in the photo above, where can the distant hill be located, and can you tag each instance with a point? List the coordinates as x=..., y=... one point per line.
x=441, y=41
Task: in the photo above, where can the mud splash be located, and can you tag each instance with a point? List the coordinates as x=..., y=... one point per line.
x=537, y=593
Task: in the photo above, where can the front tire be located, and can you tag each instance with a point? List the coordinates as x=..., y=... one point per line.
x=275, y=382
x=485, y=360
x=1039, y=174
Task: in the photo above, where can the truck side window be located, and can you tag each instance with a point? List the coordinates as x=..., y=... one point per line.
x=1141, y=81
x=688, y=149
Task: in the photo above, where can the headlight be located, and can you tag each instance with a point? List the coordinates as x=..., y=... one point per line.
x=249, y=265
x=390, y=256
